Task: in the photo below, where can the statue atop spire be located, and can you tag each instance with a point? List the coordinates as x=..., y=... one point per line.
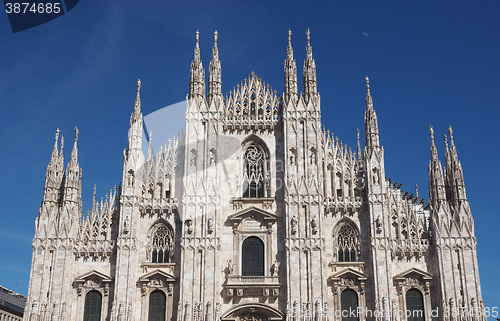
x=215, y=77
x=74, y=151
x=291, y=91
x=137, y=105
x=369, y=100
x=310, y=81
x=54, y=150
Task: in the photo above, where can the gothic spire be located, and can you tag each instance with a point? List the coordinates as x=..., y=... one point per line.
x=291, y=91
x=436, y=179
x=74, y=151
x=371, y=123
x=137, y=105
x=55, y=154
x=197, y=80
x=310, y=82
x=135, y=130
x=215, y=78
x=455, y=177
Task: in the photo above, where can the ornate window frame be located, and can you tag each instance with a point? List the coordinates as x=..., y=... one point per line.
x=348, y=279
x=157, y=280
x=259, y=158
x=414, y=279
x=92, y=280
x=152, y=247
x=357, y=242
x=255, y=222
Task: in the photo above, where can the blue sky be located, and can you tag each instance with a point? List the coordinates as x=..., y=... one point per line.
x=429, y=62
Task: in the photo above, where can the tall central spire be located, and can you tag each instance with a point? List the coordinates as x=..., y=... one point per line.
x=291, y=92
x=197, y=80
x=310, y=81
x=371, y=123
x=215, y=78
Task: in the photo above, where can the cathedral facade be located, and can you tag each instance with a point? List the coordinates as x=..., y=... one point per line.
x=255, y=213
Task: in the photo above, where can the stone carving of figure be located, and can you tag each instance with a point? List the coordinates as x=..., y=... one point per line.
x=212, y=157
x=210, y=225
x=276, y=267
x=126, y=225
x=314, y=224
x=292, y=157
x=313, y=157
x=294, y=224
x=192, y=160
x=130, y=178
x=230, y=267
x=376, y=179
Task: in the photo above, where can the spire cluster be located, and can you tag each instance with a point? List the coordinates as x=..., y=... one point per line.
x=446, y=186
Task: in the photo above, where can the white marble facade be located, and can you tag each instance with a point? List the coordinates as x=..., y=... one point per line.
x=254, y=213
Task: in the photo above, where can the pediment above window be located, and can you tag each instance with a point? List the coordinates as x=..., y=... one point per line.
x=414, y=272
x=350, y=274
x=93, y=280
x=157, y=279
x=348, y=279
x=252, y=219
x=413, y=278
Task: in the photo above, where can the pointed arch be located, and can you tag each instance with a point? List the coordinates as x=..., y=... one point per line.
x=346, y=241
x=161, y=245
x=255, y=168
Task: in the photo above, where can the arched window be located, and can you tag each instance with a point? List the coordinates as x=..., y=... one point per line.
x=253, y=172
x=162, y=248
x=347, y=241
x=157, y=305
x=93, y=303
x=252, y=258
x=349, y=305
x=414, y=305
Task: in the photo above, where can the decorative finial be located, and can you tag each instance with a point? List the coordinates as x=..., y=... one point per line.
x=57, y=134
x=446, y=141
x=308, y=33
x=215, y=36
x=367, y=83
x=450, y=131
x=138, y=85
x=289, y=36
x=62, y=142
x=76, y=133
x=197, y=37
x=416, y=190
x=431, y=131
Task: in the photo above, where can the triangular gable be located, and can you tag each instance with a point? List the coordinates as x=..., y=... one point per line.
x=103, y=277
x=146, y=277
x=423, y=274
x=266, y=216
x=360, y=276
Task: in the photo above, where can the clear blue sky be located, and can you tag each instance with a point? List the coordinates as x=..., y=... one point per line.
x=430, y=62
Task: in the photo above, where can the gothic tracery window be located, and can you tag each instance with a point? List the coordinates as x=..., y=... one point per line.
x=162, y=248
x=92, y=309
x=253, y=172
x=347, y=242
